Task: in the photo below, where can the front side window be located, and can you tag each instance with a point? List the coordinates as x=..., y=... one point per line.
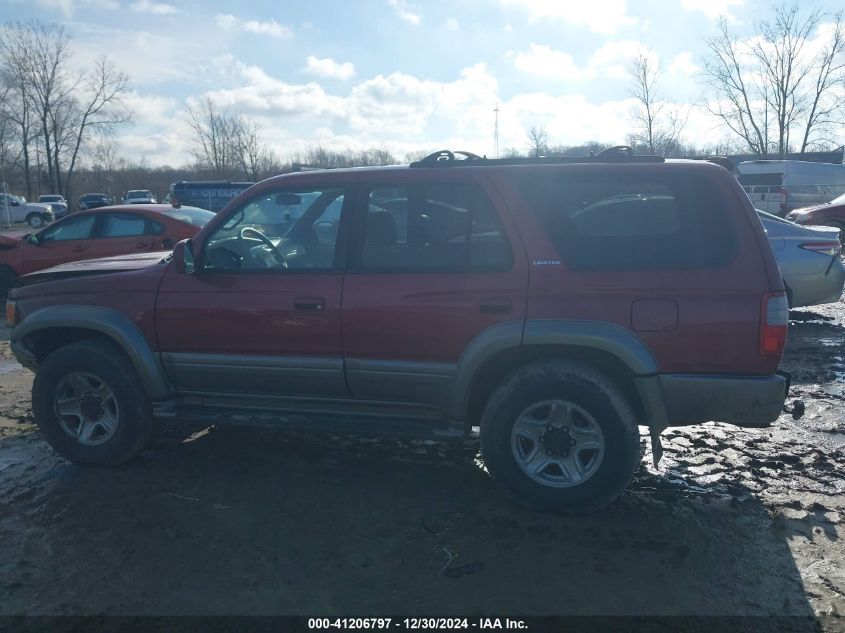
x=287, y=229
x=71, y=229
x=432, y=227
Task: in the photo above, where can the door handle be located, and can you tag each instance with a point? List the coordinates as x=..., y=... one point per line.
x=496, y=306
x=78, y=249
x=314, y=304
x=141, y=245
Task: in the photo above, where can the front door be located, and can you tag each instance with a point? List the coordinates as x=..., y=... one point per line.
x=65, y=241
x=261, y=313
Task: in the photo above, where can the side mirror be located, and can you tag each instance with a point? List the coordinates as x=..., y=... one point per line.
x=32, y=239
x=183, y=257
x=14, y=203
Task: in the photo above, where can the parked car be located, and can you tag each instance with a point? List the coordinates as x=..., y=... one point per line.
x=829, y=214
x=809, y=260
x=97, y=233
x=554, y=303
x=139, y=196
x=779, y=186
x=33, y=213
x=93, y=201
x=57, y=203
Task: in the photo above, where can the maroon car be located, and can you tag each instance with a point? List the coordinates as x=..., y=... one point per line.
x=554, y=303
x=829, y=214
x=98, y=233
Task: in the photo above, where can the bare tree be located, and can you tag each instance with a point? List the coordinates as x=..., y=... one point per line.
x=57, y=109
x=659, y=124
x=538, y=141
x=772, y=86
x=99, y=109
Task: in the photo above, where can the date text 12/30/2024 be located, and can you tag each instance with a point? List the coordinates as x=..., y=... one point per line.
x=415, y=624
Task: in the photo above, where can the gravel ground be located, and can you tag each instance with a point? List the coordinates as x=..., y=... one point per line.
x=234, y=520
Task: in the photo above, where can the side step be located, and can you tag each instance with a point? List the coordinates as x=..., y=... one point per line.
x=357, y=419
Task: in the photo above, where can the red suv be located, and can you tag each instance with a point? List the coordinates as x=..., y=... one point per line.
x=556, y=304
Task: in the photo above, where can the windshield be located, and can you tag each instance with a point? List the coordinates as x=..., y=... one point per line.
x=140, y=193
x=190, y=215
x=50, y=199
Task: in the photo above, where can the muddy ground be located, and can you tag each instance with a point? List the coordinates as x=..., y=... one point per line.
x=240, y=520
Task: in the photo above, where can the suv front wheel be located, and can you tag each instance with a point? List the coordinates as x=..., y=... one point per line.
x=88, y=403
x=559, y=436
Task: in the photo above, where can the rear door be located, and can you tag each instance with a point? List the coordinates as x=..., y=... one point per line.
x=436, y=263
x=121, y=233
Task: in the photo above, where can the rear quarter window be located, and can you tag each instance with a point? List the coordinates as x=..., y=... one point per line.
x=607, y=222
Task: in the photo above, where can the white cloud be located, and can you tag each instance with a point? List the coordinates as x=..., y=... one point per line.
x=154, y=8
x=401, y=8
x=329, y=68
x=600, y=16
x=544, y=61
x=712, y=9
x=271, y=28
x=613, y=60
x=683, y=64
x=68, y=7
x=452, y=24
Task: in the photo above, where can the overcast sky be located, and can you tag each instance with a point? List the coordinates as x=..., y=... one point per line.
x=395, y=74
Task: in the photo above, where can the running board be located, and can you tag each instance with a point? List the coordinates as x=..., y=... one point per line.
x=358, y=418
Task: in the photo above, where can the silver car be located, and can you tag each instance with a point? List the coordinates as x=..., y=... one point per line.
x=808, y=258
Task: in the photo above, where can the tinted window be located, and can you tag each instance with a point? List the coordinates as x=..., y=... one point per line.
x=432, y=227
x=628, y=224
x=122, y=225
x=71, y=229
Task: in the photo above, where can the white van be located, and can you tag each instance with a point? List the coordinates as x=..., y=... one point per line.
x=779, y=186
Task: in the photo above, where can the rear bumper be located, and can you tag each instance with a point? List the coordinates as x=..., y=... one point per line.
x=683, y=399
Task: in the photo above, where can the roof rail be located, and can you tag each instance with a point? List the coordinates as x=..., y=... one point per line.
x=615, y=154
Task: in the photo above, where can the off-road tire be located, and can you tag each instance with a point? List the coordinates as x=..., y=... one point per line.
x=589, y=389
x=108, y=363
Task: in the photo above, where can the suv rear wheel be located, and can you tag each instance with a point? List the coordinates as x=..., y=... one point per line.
x=560, y=436
x=89, y=404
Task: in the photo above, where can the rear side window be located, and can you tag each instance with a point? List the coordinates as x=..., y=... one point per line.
x=624, y=223
x=123, y=225
x=432, y=227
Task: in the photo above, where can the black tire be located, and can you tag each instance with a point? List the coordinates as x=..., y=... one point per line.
x=107, y=363
x=35, y=220
x=591, y=391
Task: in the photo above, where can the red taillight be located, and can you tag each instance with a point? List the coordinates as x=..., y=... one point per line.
x=831, y=249
x=784, y=198
x=774, y=317
x=11, y=313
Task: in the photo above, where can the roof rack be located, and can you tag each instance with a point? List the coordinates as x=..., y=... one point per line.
x=615, y=154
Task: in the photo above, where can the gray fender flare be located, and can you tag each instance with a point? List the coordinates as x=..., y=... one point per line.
x=607, y=337
x=111, y=323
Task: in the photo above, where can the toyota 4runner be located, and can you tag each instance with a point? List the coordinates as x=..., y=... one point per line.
x=554, y=303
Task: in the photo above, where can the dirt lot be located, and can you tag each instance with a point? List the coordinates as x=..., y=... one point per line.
x=234, y=520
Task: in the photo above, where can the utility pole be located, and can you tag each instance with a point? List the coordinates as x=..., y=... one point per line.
x=496, y=128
